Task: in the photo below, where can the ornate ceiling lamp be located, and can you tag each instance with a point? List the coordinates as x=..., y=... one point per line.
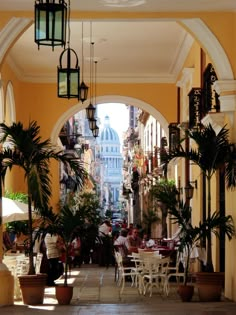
x=50, y=23
x=91, y=110
x=92, y=124
x=68, y=77
x=95, y=131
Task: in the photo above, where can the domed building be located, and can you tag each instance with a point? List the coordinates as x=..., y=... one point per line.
x=111, y=165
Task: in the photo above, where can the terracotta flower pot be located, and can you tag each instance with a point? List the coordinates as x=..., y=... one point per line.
x=186, y=292
x=210, y=285
x=32, y=288
x=64, y=294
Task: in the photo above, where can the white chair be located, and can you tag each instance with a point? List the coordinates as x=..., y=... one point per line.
x=154, y=274
x=38, y=260
x=173, y=272
x=124, y=272
x=138, y=265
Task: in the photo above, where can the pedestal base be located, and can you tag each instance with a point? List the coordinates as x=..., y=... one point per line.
x=7, y=286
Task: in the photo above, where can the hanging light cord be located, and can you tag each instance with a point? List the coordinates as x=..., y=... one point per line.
x=91, y=63
x=82, y=51
x=68, y=42
x=95, y=81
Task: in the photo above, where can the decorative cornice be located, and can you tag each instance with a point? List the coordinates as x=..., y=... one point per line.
x=217, y=120
x=187, y=75
x=224, y=86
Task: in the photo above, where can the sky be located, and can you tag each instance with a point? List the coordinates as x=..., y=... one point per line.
x=118, y=115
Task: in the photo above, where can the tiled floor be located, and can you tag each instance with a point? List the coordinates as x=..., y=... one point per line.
x=96, y=293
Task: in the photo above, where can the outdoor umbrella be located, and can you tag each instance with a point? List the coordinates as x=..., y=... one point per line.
x=13, y=210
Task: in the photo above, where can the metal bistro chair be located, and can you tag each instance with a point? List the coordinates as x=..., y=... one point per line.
x=174, y=272
x=124, y=272
x=138, y=265
x=154, y=274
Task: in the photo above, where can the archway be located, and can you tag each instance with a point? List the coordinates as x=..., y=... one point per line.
x=109, y=99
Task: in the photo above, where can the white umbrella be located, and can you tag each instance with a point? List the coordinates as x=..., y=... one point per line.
x=13, y=210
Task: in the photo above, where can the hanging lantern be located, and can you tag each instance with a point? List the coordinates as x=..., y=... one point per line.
x=90, y=111
x=68, y=77
x=83, y=92
x=92, y=124
x=95, y=131
x=83, y=89
x=50, y=22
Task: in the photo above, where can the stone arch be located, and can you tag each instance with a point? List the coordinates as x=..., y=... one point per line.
x=109, y=99
x=10, y=32
x=211, y=45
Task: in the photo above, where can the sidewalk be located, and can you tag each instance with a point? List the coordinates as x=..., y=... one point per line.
x=96, y=293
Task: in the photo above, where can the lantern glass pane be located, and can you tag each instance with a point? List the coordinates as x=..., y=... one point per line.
x=40, y=25
x=74, y=83
x=62, y=84
x=58, y=26
x=92, y=124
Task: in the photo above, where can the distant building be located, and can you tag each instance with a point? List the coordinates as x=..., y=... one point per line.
x=111, y=165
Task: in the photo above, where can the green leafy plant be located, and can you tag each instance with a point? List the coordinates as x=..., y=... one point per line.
x=164, y=193
x=211, y=151
x=24, y=148
x=88, y=205
x=188, y=235
x=19, y=196
x=68, y=224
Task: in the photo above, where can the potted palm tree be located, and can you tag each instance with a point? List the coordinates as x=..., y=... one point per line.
x=23, y=147
x=188, y=236
x=211, y=152
x=68, y=224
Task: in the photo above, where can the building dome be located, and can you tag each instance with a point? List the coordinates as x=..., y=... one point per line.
x=108, y=134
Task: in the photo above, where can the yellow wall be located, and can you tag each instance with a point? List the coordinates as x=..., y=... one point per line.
x=40, y=102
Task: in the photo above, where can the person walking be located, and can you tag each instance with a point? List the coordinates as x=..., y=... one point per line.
x=106, y=246
x=53, y=251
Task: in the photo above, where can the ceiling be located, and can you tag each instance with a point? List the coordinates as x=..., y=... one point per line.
x=125, y=51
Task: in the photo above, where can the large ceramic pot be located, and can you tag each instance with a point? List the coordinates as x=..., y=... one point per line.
x=186, y=292
x=210, y=286
x=64, y=294
x=32, y=288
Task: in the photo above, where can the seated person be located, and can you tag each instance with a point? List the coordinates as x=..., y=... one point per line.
x=121, y=245
x=134, y=241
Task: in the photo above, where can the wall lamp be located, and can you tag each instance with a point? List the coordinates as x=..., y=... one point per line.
x=189, y=191
x=194, y=182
